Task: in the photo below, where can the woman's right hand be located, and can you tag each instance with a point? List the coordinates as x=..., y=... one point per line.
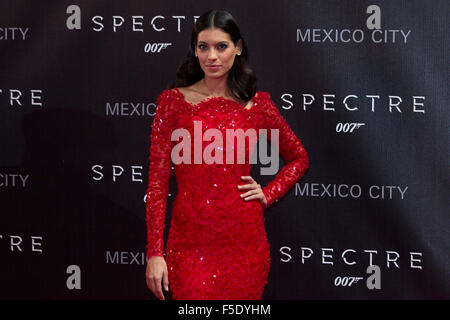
x=157, y=271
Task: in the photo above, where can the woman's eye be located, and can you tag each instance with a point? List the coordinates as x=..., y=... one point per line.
x=221, y=46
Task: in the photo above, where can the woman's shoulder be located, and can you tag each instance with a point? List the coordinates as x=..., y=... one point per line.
x=168, y=92
x=177, y=92
x=262, y=95
x=167, y=95
x=267, y=105
x=264, y=99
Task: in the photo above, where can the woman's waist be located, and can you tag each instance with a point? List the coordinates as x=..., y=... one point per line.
x=225, y=207
x=217, y=228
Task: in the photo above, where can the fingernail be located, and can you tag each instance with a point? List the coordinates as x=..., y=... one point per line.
x=167, y=288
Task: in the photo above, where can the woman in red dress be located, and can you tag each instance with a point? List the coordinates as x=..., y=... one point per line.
x=217, y=246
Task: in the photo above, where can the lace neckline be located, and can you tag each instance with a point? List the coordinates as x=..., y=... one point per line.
x=209, y=99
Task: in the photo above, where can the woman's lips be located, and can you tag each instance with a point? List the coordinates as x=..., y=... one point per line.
x=213, y=67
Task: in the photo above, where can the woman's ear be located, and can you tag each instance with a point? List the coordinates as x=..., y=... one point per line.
x=239, y=47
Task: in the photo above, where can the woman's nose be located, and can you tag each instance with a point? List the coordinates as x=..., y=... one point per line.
x=212, y=54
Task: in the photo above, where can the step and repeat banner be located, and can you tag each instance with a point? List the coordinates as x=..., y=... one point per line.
x=364, y=85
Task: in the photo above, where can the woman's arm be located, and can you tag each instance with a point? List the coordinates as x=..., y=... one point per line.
x=290, y=148
x=159, y=174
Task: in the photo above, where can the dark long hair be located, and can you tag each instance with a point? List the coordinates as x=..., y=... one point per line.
x=241, y=80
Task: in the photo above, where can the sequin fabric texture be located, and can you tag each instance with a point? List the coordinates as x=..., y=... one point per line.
x=217, y=245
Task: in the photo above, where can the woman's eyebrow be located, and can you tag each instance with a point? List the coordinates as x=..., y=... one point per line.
x=224, y=41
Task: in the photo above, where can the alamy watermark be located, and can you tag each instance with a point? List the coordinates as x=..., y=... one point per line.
x=213, y=152
x=373, y=281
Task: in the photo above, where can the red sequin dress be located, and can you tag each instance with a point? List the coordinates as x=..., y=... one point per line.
x=217, y=246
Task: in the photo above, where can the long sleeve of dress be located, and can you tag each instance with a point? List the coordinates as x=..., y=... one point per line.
x=159, y=174
x=290, y=148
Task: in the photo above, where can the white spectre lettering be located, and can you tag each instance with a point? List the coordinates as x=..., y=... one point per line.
x=353, y=103
x=16, y=243
x=14, y=97
x=118, y=171
x=118, y=22
x=350, y=256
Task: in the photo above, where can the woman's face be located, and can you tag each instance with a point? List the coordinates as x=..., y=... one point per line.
x=216, y=52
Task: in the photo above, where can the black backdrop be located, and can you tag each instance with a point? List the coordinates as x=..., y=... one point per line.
x=76, y=108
